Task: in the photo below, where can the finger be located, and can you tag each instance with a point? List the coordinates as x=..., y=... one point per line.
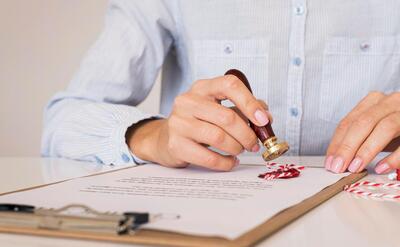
x=224, y=117
x=371, y=99
x=266, y=108
x=245, y=118
x=230, y=87
x=385, y=131
x=235, y=109
x=176, y=164
x=209, y=134
x=194, y=153
x=392, y=161
x=264, y=105
x=357, y=133
x=341, y=130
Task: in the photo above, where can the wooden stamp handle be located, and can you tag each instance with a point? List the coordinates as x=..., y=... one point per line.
x=264, y=132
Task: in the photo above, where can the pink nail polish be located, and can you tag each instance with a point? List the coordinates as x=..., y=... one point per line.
x=337, y=165
x=328, y=162
x=261, y=117
x=382, y=168
x=255, y=148
x=355, y=165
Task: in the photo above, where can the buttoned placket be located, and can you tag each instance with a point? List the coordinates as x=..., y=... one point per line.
x=295, y=75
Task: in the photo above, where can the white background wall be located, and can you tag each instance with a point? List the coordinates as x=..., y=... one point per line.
x=41, y=45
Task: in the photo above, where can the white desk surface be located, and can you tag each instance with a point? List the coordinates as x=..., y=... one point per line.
x=344, y=220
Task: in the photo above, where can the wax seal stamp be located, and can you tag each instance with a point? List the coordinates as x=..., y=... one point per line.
x=273, y=147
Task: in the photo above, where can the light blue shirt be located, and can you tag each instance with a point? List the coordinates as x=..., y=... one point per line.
x=311, y=61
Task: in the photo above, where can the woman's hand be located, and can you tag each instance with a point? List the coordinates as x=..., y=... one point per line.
x=371, y=127
x=197, y=121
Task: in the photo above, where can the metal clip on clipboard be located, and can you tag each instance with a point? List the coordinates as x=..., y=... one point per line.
x=75, y=217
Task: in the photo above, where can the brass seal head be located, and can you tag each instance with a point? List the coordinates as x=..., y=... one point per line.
x=273, y=148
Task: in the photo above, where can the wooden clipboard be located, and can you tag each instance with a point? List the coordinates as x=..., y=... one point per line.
x=164, y=238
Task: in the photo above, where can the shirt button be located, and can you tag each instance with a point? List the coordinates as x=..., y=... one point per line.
x=299, y=10
x=297, y=61
x=294, y=112
x=364, y=46
x=228, y=49
x=125, y=158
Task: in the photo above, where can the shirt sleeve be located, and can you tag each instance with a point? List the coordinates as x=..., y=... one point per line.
x=88, y=120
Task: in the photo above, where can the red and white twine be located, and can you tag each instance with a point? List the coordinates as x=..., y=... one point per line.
x=281, y=171
x=285, y=171
x=356, y=188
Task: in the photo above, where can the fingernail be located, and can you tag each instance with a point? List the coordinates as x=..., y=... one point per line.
x=237, y=162
x=382, y=168
x=337, y=165
x=328, y=162
x=261, y=117
x=255, y=148
x=355, y=165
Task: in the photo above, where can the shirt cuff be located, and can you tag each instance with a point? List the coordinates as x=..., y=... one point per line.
x=124, y=154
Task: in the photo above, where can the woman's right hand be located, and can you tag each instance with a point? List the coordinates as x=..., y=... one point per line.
x=197, y=121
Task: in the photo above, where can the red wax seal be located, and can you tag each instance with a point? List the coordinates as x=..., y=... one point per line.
x=279, y=171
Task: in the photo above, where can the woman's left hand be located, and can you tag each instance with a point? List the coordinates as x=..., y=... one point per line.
x=371, y=127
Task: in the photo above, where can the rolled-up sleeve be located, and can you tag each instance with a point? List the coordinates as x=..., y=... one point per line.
x=88, y=120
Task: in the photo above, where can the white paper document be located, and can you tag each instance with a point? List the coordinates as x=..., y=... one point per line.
x=224, y=204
